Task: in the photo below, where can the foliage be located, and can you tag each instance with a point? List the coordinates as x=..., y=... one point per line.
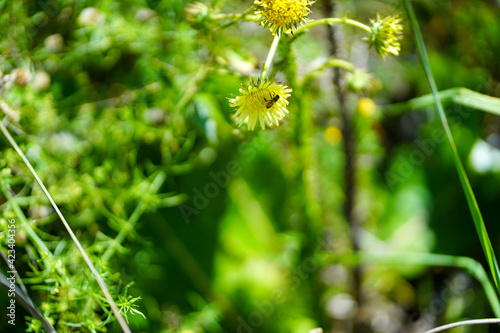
x=331, y=219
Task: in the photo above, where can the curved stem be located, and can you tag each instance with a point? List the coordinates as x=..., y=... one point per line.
x=270, y=56
x=332, y=62
x=464, y=323
x=235, y=17
x=331, y=21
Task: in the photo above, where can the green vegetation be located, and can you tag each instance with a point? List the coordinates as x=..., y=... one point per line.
x=215, y=166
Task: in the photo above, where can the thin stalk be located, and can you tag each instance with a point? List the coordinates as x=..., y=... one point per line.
x=89, y=263
x=270, y=56
x=38, y=242
x=464, y=323
x=26, y=302
x=134, y=218
x=19, y=213
x=333, y=62
x=236, y=17
x=18, y=277
x=331, y=21
x=464, y=180
x=303, y=125
x=191, y=89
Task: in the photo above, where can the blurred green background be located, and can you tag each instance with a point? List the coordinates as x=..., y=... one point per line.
x=123, y=110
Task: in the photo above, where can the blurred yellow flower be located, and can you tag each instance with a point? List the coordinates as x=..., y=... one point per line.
x=333, y=135
x=282, y=15
x=265, y=101
x=386, y=34
x=366, y=106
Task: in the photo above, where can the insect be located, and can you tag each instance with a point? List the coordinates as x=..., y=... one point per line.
x=272, y=101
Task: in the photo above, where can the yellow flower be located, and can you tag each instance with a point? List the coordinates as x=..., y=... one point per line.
x=386, y=34
x=366, y=106
x=265, y=101
x=282, y=15
x=333, y=135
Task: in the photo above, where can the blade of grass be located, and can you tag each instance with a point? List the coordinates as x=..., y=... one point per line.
x=464, y=180
x=26, y=302
x=89, y=263
x=461, y=96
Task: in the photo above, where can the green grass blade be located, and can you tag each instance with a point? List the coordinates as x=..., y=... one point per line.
x=464, y=180
x=26, y=302
x=461, y=96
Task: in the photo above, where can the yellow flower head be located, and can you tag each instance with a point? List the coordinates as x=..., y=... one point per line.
x=282, y=15
x=386, y=34
x=366, y=106
x=333, y=135
x=265, y=101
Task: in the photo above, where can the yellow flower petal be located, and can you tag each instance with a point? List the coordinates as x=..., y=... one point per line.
x=262, y=101
x=386, y=34
x=282, y=15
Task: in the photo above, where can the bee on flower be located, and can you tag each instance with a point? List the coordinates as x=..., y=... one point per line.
x=264, y=101
x=282, y=15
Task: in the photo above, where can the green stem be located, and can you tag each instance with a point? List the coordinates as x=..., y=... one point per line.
x=20, y=215
x=134, y=218
x=339, y=63
x=270, y=56
x=39, y=243
x=331, y=21
x=334, y=63
x=191, y=89
x=235, y=17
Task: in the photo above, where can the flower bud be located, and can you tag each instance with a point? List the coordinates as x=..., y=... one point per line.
x=386, y=34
